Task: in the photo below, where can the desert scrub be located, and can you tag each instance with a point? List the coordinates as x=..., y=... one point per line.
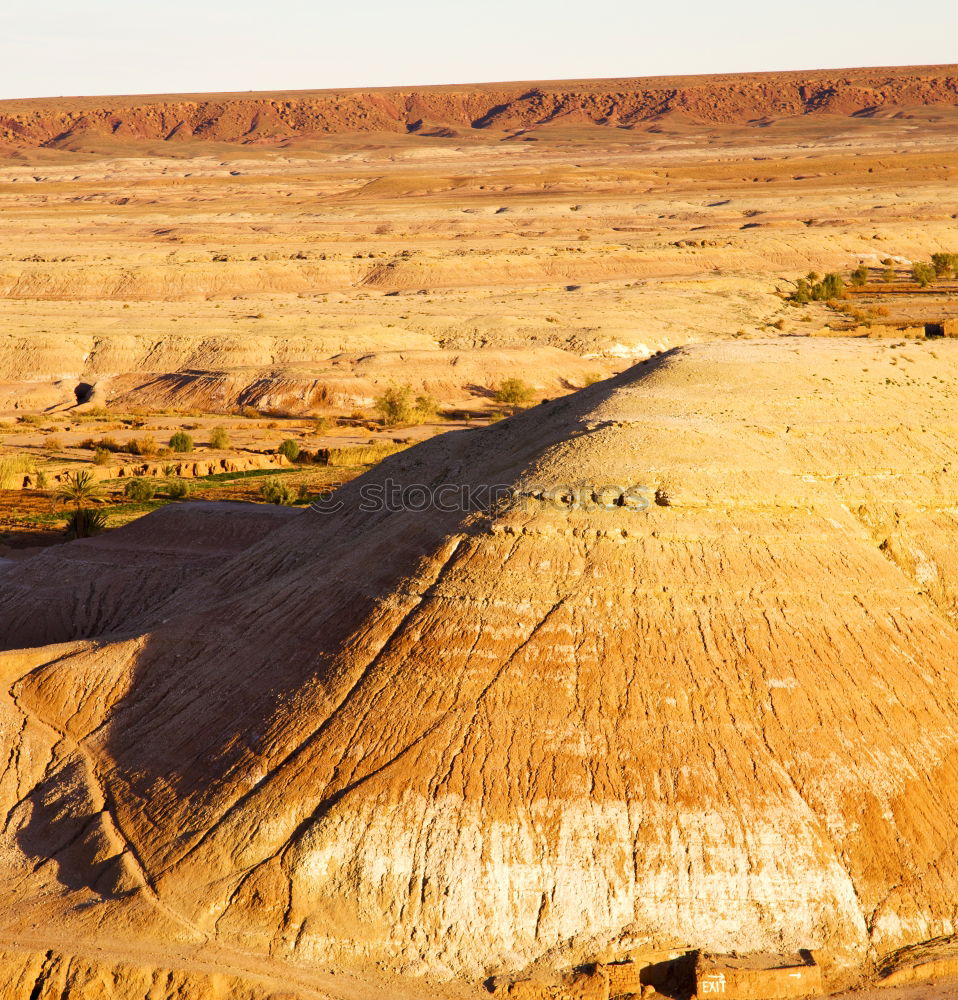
x=811, y=289
x=177, y=489
x=13, y=469
x=103, y=444
x=145, y=445
x=275, y=491
x=140, y=490
x=219, y=438
x=400, y=405
x=924, y=274
x=945, y=264
x=181, y=442
x=514, y=392
x=427, y=407
x=289, y=449
x=363, y=454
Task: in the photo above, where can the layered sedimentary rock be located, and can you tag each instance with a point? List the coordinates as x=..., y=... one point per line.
x=460, y=741
x=439, y=111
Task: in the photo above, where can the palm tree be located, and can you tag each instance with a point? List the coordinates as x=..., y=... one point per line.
x=79, y=489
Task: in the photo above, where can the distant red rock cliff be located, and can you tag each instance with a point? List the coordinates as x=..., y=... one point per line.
x=274, y=117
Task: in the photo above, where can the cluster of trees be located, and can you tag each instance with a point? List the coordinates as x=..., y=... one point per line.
x=942, y=265
x=813, y=288
x=923, y=273
x=399, y=404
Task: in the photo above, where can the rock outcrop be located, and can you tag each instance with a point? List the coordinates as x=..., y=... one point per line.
x=717, y=708
x=446, y=111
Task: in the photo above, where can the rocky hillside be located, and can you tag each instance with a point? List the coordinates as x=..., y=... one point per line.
x=456, y=742
x=624, y=103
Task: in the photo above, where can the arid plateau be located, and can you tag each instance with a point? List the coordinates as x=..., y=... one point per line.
x=512, y=539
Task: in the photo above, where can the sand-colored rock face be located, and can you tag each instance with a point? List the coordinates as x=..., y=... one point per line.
x=458, y=742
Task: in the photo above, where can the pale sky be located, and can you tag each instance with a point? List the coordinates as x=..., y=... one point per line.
x=69, y=47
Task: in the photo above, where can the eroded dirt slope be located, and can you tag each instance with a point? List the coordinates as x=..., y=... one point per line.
x=455, y=743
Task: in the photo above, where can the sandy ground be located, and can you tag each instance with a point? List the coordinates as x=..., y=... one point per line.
x=310, y=276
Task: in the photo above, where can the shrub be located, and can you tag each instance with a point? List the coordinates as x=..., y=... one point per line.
x=40, y=480
x=945, y=264
x=145, y=445
x=396, y=405
x=181, y=441
x=426, y=408
x=219, y=438
x=82, y=523
x=176, y=489
x=274, y=491
x=104, y=444
x=514, y=392
x=832, y=287
x=101, y=457
x=290, y=449
x=53, y=443
x=860, y=276
x=923, y=273
x=888, y=275
x=140, y=490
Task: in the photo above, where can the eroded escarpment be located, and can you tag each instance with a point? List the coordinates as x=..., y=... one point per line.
x=440, y=111
x=460, y=741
